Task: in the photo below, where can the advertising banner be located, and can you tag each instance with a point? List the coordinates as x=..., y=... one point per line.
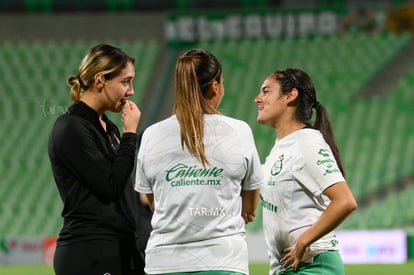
x=21, y=251
x=49, y=248
x=355, y=247
x=382, y=246
x=254, y=25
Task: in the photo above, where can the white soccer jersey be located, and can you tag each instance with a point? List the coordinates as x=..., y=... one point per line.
x=197, y=223
x=298, y=169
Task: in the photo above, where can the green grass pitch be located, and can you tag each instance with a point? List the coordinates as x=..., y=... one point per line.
x=255, y=269
x=357, y=269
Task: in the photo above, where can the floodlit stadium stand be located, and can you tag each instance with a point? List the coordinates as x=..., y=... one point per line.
x=375, y=133
x=33, y=84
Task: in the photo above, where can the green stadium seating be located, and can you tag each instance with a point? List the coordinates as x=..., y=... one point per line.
x=33, y=80
x=392, y=212
x=374, y=135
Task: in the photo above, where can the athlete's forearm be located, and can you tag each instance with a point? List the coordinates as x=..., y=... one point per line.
x=150, y=199
x=342, y=204
x=250, y=200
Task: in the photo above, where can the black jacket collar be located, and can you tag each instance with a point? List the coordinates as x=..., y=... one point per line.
x=81, y=109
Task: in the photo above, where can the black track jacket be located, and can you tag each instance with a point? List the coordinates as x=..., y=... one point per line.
x=92, y=169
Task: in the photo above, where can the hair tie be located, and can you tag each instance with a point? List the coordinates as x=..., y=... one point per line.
x=83, y=86
x=214, y=78
x=316, y=105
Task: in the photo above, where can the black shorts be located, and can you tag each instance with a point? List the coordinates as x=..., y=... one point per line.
x=100, y=257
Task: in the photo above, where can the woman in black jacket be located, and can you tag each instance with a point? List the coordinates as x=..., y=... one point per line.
x=92, y=164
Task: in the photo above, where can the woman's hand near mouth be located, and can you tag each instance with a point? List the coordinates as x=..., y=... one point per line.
x=130, y=116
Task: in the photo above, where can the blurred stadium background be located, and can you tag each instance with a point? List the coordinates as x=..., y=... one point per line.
x=360, y=55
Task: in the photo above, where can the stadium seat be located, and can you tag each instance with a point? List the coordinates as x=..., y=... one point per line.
x=373, y=134
x=33, y=75
x=376, y=136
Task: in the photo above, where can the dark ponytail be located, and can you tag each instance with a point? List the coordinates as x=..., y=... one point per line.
x=306, y=102
x=323, y=124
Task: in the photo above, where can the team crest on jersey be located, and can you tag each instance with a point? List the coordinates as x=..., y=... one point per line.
x=277, y=166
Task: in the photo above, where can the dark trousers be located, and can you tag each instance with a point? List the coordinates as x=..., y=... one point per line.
x=100, y=257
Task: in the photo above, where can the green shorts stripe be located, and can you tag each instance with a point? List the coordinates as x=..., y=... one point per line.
x=327, y=263
x=210, y=272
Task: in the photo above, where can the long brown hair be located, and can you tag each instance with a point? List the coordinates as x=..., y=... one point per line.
x=306, y=102
x=195, y=72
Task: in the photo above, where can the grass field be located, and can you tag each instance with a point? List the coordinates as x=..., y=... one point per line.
x=255, y=269
x=363, y=269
